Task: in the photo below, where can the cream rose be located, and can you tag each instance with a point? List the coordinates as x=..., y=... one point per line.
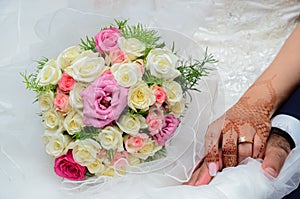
x=68, y=56
x=177, y=108
x=162, y=64
x=148, y=150
x=56, y=143
x=173, y=91
x=96, y=167
x=140, y=96
x=53, y=121
x=109, y=171
x=127, y=74
x=132, y=47
x=86, y=68
x=49, y=74
x=73, y=122
x=46, y=101
x=85, y=151
x=75, y=98
x=131, y=124
x=111, y=138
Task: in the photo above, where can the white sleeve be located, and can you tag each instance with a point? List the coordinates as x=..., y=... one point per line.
x=288, y=124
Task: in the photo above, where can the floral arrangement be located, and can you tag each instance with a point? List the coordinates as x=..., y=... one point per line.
x=117, y=96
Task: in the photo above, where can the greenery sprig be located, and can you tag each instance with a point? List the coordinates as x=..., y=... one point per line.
x=147, y=36
x=121, y=24
x=159, y=154
x=87, y=132
x=193, y=70
x=88, y=43
x=150, y=79
x=32, y=82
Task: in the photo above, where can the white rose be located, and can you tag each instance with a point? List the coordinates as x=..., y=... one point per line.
x=87, y=68
x=148, y=150
x=85, y=151
x=46, y=101
x=111, y=138
x=127, y=74
x=177, y=108
x=53, y=121
x=132, y=47
x=68, y=56
x=73, y=122
x=75, y=98
x=162, y=64
x=87, y=53
x=143, y=122
x=49, y=74
x=140, y=96
x=173, y=91
x=56, y=143
x=96, y=167
x=130, y=124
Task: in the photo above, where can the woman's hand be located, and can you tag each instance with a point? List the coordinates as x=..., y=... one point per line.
x=277, y=150
x=240, y=133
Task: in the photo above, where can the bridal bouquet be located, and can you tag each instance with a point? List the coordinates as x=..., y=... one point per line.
x=114, y=100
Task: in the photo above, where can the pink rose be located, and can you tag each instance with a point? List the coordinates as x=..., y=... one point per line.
x=135, y=143
x=159, y=93
x=61, y=101
x=155, y=119
x=66, y=167
x=170, y=125
x=103, y=101
x=154, y=125
x=117, y=56
x=66, y=83
x=107, y=40
x=118, y=156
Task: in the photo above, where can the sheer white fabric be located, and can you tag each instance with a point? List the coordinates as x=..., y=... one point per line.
x=243, y=35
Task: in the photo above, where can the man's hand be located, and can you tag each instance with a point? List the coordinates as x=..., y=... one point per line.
x=277, y=150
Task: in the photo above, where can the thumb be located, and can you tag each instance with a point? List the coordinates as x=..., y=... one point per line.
x=277, y=150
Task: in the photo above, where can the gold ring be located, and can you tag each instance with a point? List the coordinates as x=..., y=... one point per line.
x=243, y=139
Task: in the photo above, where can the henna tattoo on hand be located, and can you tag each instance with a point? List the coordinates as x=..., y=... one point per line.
x=251, y=112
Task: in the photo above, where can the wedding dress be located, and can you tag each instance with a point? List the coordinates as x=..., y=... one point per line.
x=243, y=35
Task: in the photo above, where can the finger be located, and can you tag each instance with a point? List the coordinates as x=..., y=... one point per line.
x=203, y=177
x=260, y=138
x=200, y=176
x=229, y=147
x=247, y=132
x=212, y=160
x=258, y=147
x=194, y=174
x=193, y=178
x=212, y=140
x=245, y=151
x=277, y=150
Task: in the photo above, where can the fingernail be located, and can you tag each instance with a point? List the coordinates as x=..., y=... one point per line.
x=271, y=171
x=212, y=168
